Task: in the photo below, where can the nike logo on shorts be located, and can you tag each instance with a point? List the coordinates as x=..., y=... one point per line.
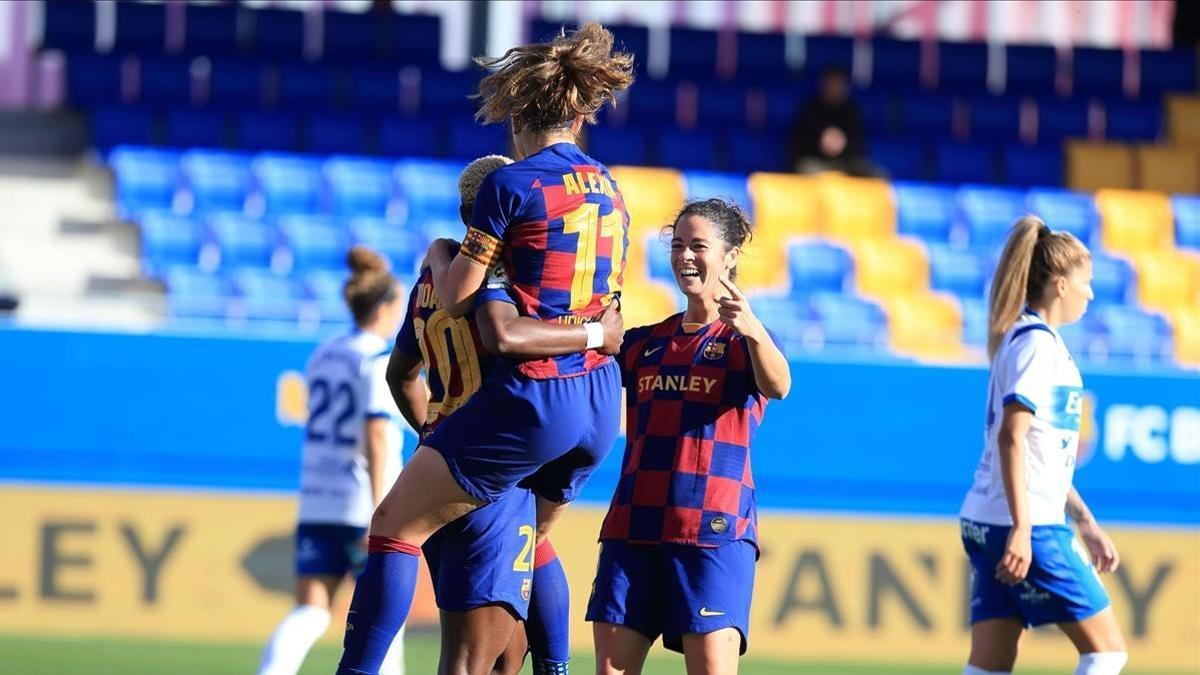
x=704, y=611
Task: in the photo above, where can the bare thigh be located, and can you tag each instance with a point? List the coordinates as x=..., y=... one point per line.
x=619, y=650
x=994, y=643
x=316, y=590
x=423, y=499
x=1098, y=633
x=473, y=641
x=714, y=653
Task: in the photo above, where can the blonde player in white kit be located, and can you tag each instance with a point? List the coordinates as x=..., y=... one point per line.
x=351, y=458
x=1027, y=567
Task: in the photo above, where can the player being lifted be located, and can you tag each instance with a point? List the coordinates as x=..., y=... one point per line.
x=680, y=539
x=556, y=222
x=1027, y=569
x=351, y=456
x=482, y=563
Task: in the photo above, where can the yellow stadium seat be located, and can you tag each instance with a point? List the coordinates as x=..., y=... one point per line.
x=785, y=206
x=1134, y=221
x=1186, y=323
x=1183, y=120
x=652, y=197
x=1168, y=169
x=1093, y=166
x=887, y=267
x=1168, y=278
x=856, y=208
x=645, y=302
x=925, y=325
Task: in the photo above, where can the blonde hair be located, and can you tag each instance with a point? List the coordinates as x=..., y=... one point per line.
x=545, y=86
x=1032, y=257
x=370, y=284
x=472, y=177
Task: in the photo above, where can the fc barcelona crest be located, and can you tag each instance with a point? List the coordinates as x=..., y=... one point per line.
x=714, y=350
x=526, y=587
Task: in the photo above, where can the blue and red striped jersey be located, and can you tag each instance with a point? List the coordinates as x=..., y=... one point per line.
x=454, y=356
x=557, y=223
x=692, y=409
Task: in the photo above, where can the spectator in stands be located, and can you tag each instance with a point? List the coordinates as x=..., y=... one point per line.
x=827, y=134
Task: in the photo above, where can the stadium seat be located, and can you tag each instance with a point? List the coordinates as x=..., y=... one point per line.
x=428, y=196
x=141, y=28
x=306, y=85
x=720, y=106
x=658, y=259
x=1095, y=166
x=1167, y=279
x=195, y=294
x=965, y=162
x=314, y=242
x=210, y=29
x=822, y=52
x=645, y=301
x=848, y=320
x=354, y=37
x=926, y=325
x=653, y=102
x=287, y=183
x=687, y=149
x=855, y=208
x=1182, y=113
x=790, y=317
x=652, y=197
x=1168, y=169
x=1133, y=120
x=1113, y=279
x=995, y=118
x=324, y=287
x=1134, y=221
x=626, y=146
x=69, y=26
x=895, y=63
x=761, y=57
x=234, y=82
x=880, y=110
x=989, y=214
x=165, y=81
x=1185, y=322
x=191, y=127
x=330, y=133
x=958, y=271
x=1074, y=212
x=375, y=88
x=402, y=246
x=974, y=313
x=1166, y=70
x=448, y=92
x=819, y=266
x=890, y=267
x=925, y=211
x=752, y=151
x=729, y=186
x=277, y=33
x=358, y=186
x=927, y=114
x=693, y=54
x=242, y=242
x=214, y=181
x=407, y=137
x=1030, y=69
x=469, y=139
x=258, y=294
x=113, y=125
x=1097, y=71
x=415, y=39
x=145, y=178
x=1133, y=334
x=168, y=240
x=1033, y=165
x=903, y=159
x=1186, y=209
x=962, y=66
x=1061, y=118
x=93, y=79
x=783, y=103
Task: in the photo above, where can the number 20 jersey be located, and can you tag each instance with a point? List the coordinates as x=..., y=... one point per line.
x=557, y=223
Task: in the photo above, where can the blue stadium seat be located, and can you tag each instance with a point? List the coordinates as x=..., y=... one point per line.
x=1113, y=279
x=693, y=54
x=784, y=102
x=447, y=92
x=975, y=321
x=1134, y=334
x=819, y=266
x=469, y=139
x=995, y=118
x=324, y=287
x=895, y=63
x=266, y=130
x=848, y=320
x=330, y=133
x=242, y=242
x=720, y=106
x=145, y=178
x=761, y=57
x=653, y=102
x=314, y=242
x=69, y=26
x=1061, y=118
x=687, y=149
x=902, y=158
x=618, y=146
x=351, y=36
x=402, y=246
x=215, y=181
x=287, y=183
x=195, y=294
x=429, y=192
x=822, y=52
x=415, y=39
x=93, y=79
x=1187, y=221
x=407, y=137
x=965, y=162
x=658, y=258
x=989, y=213
x=789, y=316
x=306, y=86
x=168, y=240
x=879, y=109
x=359, y=186
x=210, y=29
x=1074, y=212
x=375, y=88
x=729, y=186
x=962, y=66
x=258, y=294
x=235, y=82
x=1167, y=70
x=278, y=33
x=165, y=81
x=927, y=114
x=141, y=27
x=1097, y=71
x=962, y=272
x=190, y=127
x=1133, y=120
x=926, y=211
x=1030, y=69
x=1033, y=165
x=113, y=125
x=752, y=151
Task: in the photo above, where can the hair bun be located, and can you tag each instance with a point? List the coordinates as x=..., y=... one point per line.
x=362, y=260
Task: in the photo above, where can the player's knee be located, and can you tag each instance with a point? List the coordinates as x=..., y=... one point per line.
x=1102, y=663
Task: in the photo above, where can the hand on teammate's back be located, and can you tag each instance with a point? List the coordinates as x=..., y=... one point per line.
x=614, y=328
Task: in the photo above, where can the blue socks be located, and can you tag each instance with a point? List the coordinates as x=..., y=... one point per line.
x=548, y=627
x=383, y=595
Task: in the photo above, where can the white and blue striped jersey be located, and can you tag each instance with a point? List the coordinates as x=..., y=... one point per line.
x=346, y=387
x=1032, y=367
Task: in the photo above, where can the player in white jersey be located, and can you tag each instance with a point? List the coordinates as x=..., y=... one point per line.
x=1027, y=567
x=351, y=458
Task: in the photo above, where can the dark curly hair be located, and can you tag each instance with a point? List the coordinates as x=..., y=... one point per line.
x=729, y=220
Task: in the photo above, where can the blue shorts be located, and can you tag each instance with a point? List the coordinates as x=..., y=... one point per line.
x=324, y=549
x=1061, y=587
x=546, y=435
x=486, y=557
x=672, y=589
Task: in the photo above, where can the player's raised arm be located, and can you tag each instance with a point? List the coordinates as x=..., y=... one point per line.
x=771, y=370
